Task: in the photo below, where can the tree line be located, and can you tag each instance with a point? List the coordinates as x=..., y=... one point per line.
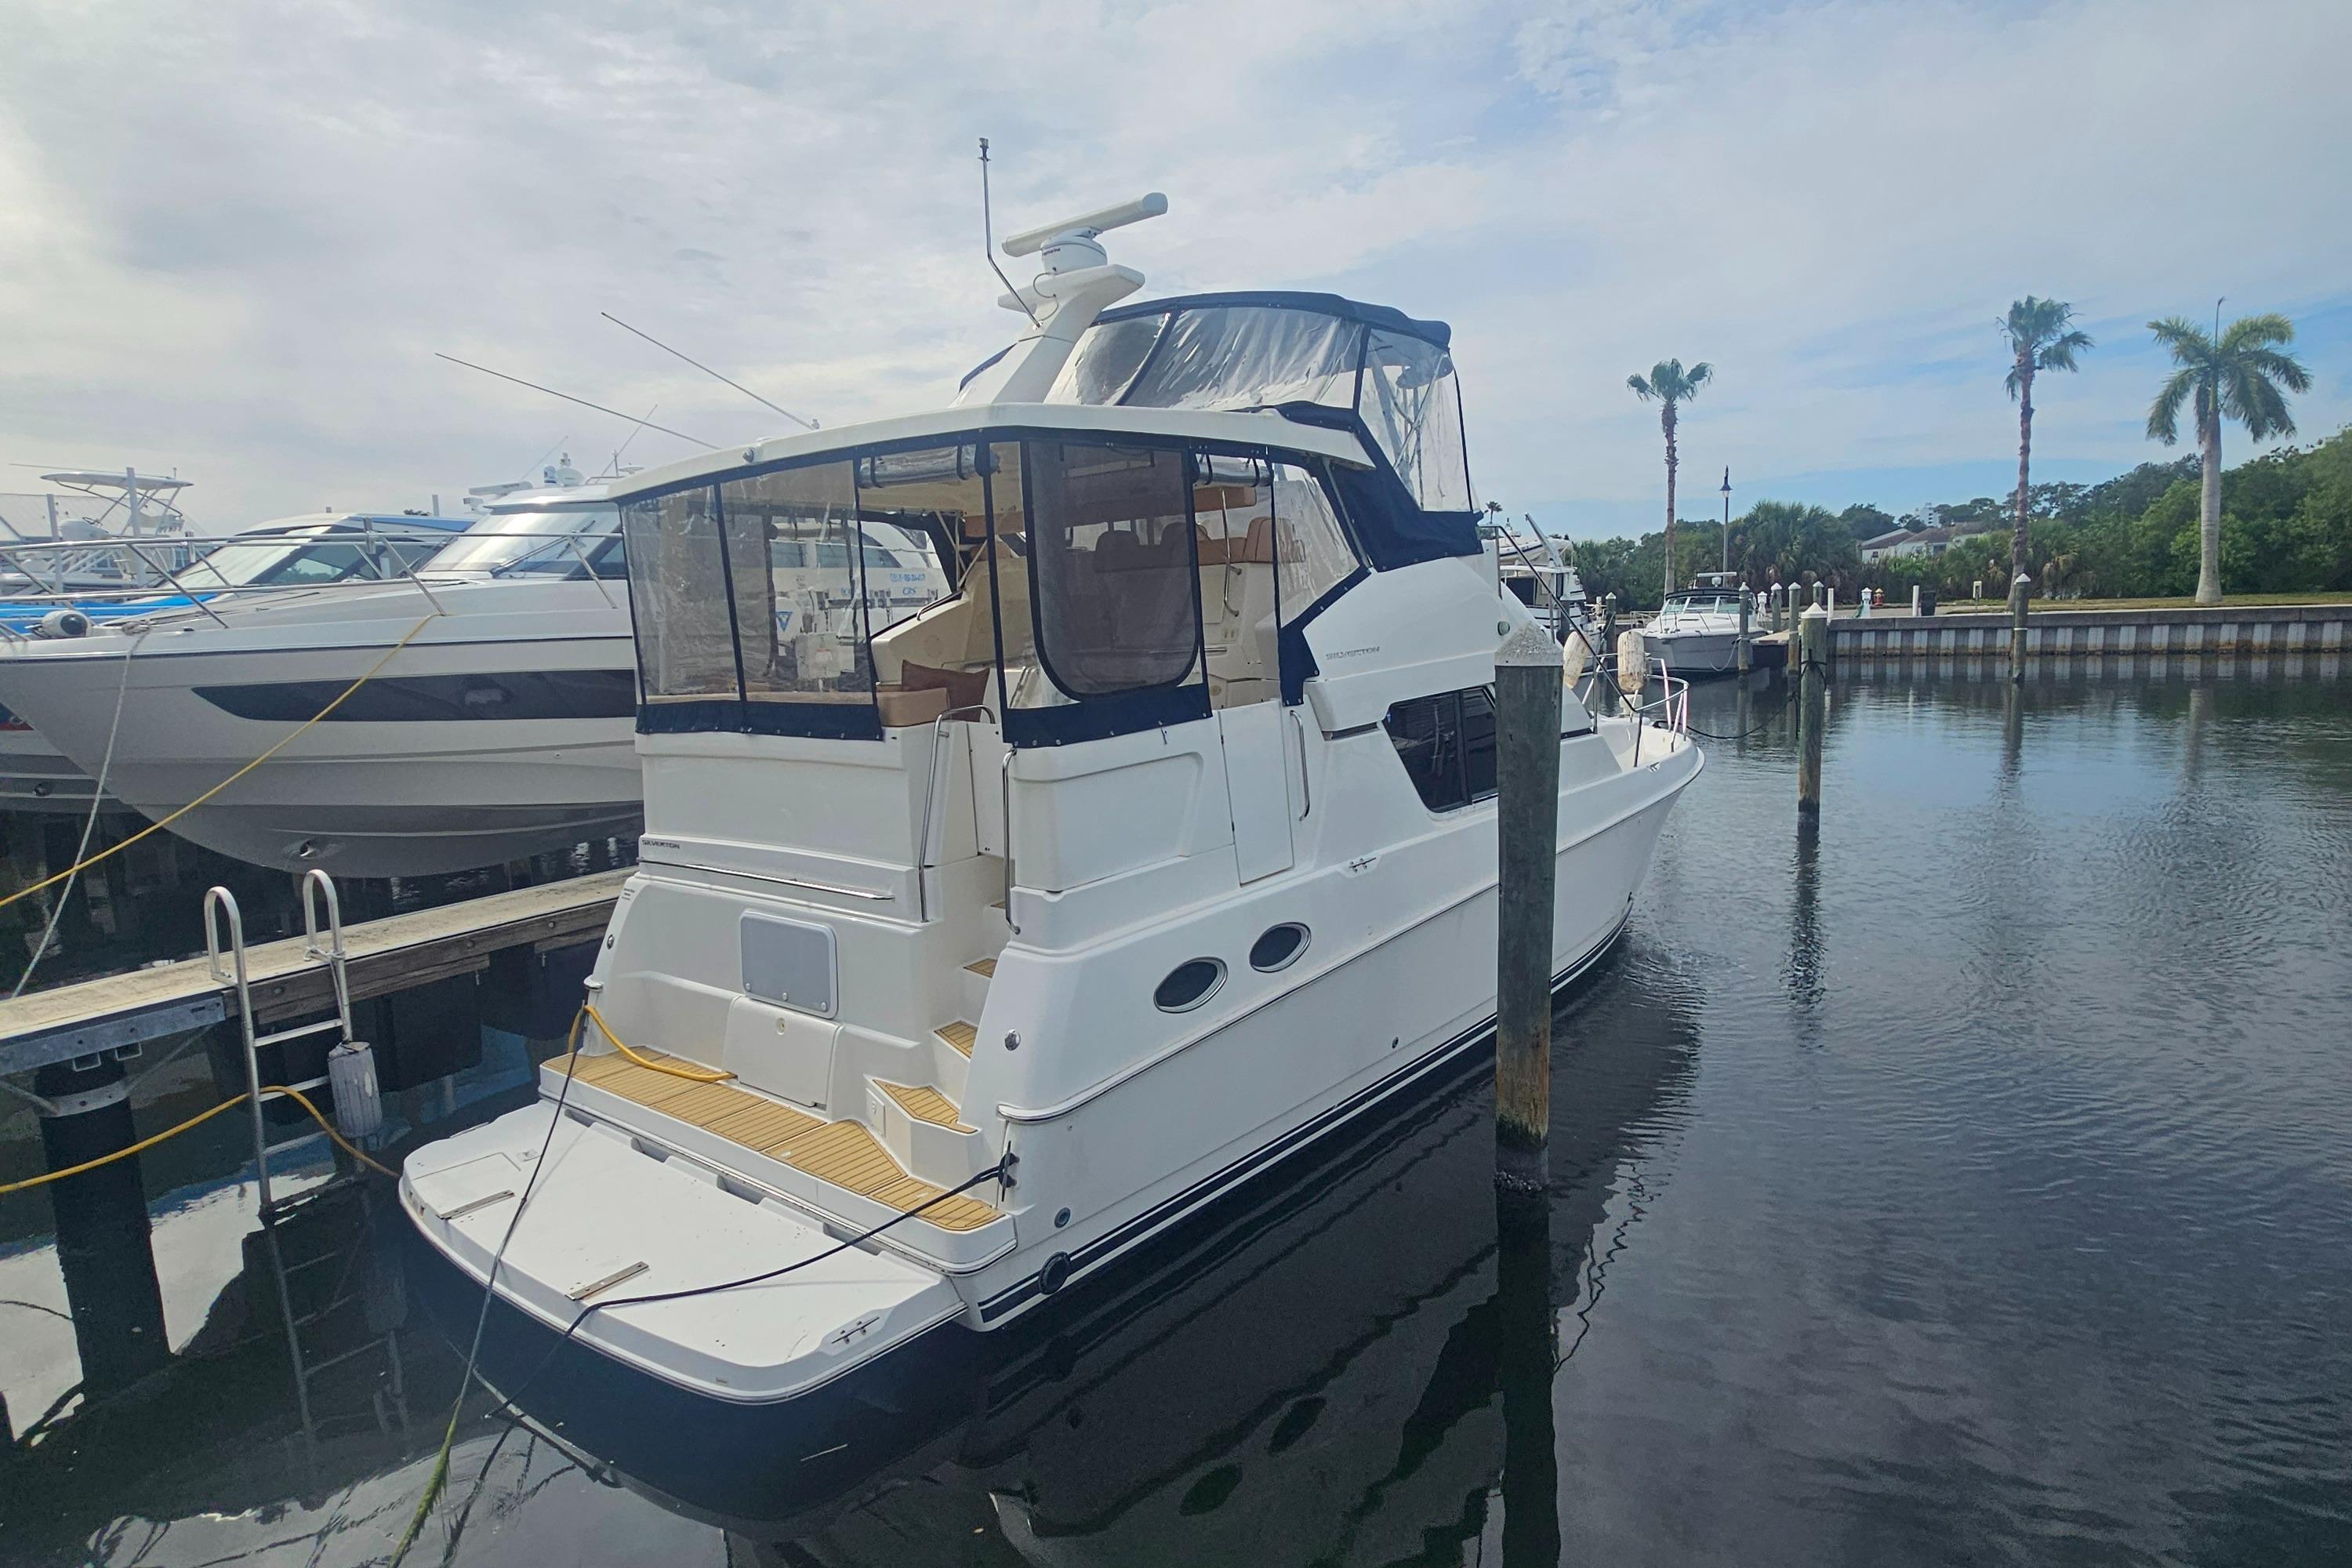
x=2284, y=526
x=2240, y=375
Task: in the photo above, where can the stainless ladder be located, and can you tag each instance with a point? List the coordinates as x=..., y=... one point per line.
x=219, y=899
x=318, y=894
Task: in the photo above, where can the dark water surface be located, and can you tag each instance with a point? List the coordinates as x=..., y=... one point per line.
x=1970, y=1184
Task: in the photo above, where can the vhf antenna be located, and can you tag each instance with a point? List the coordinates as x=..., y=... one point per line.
x=583, y=403
x=988, y=241
x=804, y=424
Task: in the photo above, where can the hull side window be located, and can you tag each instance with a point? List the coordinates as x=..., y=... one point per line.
x=1446, y=744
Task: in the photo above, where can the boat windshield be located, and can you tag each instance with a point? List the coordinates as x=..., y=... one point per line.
x=540, y=541
x=304, y=560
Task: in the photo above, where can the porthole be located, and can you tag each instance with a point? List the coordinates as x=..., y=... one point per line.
x=1278, y=947
x=1188, y=985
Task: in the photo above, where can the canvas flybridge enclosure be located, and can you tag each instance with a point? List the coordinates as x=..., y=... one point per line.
x=1103, y=584
x=1314, y=358
x=1105, y=574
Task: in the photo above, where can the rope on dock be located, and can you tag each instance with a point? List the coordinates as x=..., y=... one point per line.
x=162, y=822
x=296, y=1095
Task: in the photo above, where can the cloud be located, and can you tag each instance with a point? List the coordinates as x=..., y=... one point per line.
x=241, y=263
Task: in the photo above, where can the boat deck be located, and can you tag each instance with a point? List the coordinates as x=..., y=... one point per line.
x=843, y=1154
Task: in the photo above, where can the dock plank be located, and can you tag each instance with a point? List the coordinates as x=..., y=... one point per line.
x=388, y=954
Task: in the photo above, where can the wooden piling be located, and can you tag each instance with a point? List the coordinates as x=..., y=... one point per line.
x=103, y=1246
x=1812, y=705
x=1743, y=631
x=1527, y=824
x=2017, y=592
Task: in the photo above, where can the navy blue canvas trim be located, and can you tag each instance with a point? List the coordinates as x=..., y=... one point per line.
x=1297, y=659
x=1099, y=717
x=689, y=716
x=818, y=720
x=1247, y=1165
x=1392, y=529
x=1347, y=309
x=994, y=358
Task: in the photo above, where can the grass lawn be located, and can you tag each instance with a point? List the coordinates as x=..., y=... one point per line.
x=1994, y=606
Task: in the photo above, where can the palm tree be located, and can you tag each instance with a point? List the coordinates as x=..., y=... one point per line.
x=2040, y=337
x=2236, y=374
x=1671, y=385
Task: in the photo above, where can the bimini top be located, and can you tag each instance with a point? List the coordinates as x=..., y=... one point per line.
x=1317, y=359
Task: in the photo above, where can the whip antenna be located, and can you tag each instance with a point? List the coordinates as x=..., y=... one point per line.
x=988, y=241
x=583, y=403
x=804, y=424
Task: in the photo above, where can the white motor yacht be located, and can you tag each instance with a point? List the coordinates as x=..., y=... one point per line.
x=968, y=954
x=496, y=724
x=309, y=552
x=1696, y=632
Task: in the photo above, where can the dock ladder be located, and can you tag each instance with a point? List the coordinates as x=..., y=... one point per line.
x=378, y=1295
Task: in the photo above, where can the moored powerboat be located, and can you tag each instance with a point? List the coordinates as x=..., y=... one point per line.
x=493, y=721
x=1696, y=631
x=311, y=552
x=970, y=954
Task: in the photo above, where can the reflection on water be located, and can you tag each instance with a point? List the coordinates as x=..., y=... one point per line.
x=1967, y=1181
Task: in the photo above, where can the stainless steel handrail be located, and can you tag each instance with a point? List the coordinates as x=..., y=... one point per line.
x=1306, y=785
x=1005, y=798
x=316, y=880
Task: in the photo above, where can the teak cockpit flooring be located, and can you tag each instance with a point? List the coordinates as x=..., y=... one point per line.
x=841, y=1153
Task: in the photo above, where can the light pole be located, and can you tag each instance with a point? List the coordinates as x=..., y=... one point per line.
x=1726, y=518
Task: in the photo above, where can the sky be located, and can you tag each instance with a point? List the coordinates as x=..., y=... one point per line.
x=236, y=235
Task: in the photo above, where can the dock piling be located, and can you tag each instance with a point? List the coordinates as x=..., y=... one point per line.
x=2017, y=594
x=1813, y=704
x=104, y=1248
x=1743, y=631
x=1527, y=821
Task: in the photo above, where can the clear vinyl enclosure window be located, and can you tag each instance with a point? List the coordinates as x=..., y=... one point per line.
x=793, y=553
x=1409, y=403
x=1112, y=566
x=677, y=577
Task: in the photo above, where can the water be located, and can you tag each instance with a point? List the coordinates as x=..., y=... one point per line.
x=1971, y=1184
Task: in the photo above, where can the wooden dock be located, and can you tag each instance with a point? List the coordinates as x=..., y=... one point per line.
x=120, y=1013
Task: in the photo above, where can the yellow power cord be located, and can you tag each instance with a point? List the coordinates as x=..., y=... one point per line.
x=162, y=822
x=697, y=1075
x=296, y=1095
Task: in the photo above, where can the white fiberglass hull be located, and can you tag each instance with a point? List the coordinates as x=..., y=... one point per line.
x=36, y=776
x=410, y=779
x=1400, y=980
x=1697, y=653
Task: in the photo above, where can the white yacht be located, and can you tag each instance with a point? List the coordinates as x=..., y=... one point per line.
x=500, y=729
x=1696, y=632
x=968, y=954
x=309, y=552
